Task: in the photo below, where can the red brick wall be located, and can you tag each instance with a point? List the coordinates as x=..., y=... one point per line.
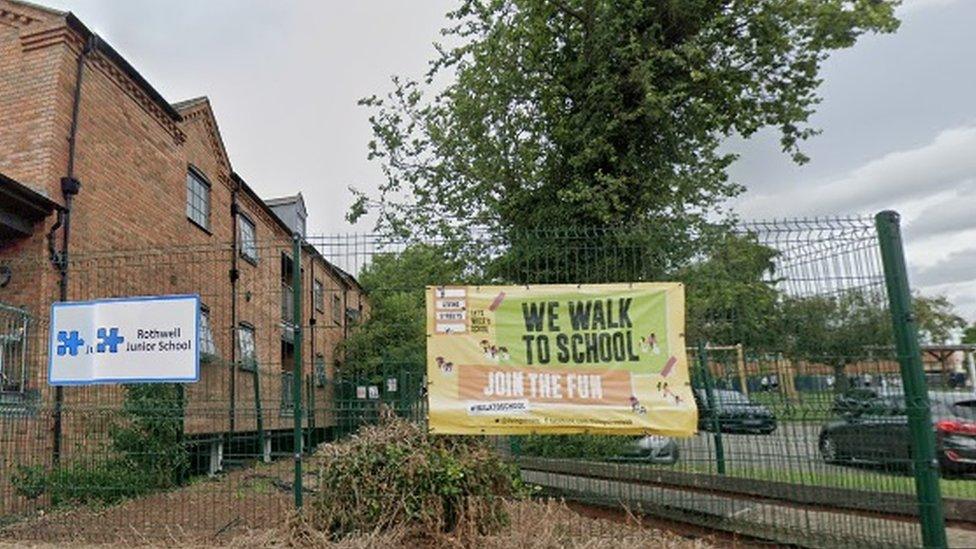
x=130, y=234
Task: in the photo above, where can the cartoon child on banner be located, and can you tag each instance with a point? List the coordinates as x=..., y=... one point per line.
x=649, y=344
x=494, y=353
x=444, y=366
x=663, y=387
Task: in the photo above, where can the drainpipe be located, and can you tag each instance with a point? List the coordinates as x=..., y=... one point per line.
x=234, y=276
x=69, y=188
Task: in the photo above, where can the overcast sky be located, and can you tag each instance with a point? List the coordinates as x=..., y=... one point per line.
x=898, y=117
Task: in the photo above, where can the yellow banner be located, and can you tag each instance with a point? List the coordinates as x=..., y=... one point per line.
x=599, y=358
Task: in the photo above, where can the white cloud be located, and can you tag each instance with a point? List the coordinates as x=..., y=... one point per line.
x=957, y=267
x=953, y=214
x=943, y=164
x=908, y=6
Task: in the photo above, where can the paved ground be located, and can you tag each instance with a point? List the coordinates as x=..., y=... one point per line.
x=792, y=447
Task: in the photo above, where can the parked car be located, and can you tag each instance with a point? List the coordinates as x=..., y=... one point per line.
x=650, y=449
x=875, y=430
x=860, y=400
x=735, y=413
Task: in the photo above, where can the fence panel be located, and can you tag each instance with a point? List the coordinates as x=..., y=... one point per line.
x=803, y=437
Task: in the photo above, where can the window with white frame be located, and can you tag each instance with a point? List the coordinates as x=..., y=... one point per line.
x=321, y=374
x=208, y=349
x=14, y=325
x=198, y=199
x=318, y=295
x=336, y=309
x=247, y=351
x=248, y=237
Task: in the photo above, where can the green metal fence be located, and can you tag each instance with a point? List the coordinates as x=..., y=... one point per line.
x=818, y=425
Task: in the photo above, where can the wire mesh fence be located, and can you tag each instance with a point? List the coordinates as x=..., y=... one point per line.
x=803, y=421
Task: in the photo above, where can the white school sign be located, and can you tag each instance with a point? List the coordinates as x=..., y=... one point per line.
x=128, y=340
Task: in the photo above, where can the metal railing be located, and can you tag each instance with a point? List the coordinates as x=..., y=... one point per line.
x=801, y=461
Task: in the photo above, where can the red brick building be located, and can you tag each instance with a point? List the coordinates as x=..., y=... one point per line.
x=108, y=190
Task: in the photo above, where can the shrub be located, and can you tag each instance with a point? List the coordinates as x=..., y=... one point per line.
x=101, y=482
x=145, y=453
x=396, y=476
x=597, y=447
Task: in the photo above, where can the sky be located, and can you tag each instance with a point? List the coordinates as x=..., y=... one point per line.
x=898, y=113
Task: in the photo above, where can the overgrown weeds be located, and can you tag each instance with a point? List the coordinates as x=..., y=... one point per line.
x=397, y=477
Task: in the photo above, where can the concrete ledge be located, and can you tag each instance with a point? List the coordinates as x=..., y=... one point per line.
x=961, y=510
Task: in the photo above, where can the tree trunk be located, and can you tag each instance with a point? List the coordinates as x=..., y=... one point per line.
x=840, y=378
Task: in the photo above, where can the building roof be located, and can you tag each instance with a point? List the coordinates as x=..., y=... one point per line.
x=104, y=48
x=190, y=103
x=20, y=208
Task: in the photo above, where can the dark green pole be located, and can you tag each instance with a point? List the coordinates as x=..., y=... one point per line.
x=925, y=465
x=712, y=408
x=296, y=374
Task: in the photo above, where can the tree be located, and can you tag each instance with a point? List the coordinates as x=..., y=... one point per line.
x=594, y=113
x=837, y=330
x=854, y=326
x=731, y=295
x=393, y=335
x=969, y=334
x=938, y=322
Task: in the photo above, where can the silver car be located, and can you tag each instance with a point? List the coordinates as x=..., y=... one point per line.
x=650, y=449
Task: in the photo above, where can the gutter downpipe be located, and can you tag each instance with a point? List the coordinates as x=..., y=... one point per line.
x=69, y=188
x=234, y=276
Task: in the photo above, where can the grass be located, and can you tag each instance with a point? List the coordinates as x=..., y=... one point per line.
x=852, y=478
x=808, y=407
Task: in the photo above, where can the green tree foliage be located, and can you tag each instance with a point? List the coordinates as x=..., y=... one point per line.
x=836, y=330
x=393, y=334
x=592, y=113
x=731, y=294
x=149, y=439
x=938, y=322
x=969, y=334
x=145, y=453
x=853, y=326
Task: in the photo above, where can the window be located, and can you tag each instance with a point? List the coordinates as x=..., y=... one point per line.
x=13, y=352
x=198, y=199
x=208, y=350
x=318, y=295
x=321, y=376
x=248, y=238
x=247, y=352
x=337, y=309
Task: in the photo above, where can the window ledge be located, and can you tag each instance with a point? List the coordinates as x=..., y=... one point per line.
x=199, y=226
x=19, y=404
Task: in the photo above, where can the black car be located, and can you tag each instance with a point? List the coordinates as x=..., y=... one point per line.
x=735, y=413
x=873, y=428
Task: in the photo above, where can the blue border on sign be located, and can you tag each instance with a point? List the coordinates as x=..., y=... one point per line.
x=126, y=381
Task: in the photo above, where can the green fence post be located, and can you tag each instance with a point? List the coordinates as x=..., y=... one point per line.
x=296, y=375
x=710, y=402
x=925, y=465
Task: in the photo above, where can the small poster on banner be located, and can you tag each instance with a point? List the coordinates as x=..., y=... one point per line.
x=374, y=392
x=361, y=392
x=391, y=385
